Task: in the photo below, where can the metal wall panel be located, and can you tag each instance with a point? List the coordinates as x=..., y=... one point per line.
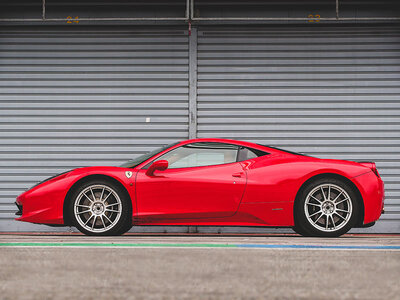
x=73, y=97
x=328, y=91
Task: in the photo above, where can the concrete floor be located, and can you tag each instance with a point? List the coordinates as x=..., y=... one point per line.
x=159, y=272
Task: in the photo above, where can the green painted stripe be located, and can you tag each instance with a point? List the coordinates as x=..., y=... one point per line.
x=116, y=245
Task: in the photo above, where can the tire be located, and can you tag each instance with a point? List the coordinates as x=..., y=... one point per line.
x=100, y=208
x=301, y=231
x=327, y=207
x=127, y=227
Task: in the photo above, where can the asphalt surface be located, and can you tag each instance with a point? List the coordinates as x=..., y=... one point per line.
x=137, y=266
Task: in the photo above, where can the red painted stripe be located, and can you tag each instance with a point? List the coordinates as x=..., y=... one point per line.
x=198, y=234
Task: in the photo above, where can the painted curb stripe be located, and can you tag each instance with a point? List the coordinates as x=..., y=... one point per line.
x=177, y=245
x=183, y=245
x=317, y=247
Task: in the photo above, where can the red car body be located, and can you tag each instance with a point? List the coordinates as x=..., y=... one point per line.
x=255, y=192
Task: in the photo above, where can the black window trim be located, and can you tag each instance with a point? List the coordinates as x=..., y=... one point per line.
x=284, y=150
x=146, y=166
x=239, y=147
x=255, y=151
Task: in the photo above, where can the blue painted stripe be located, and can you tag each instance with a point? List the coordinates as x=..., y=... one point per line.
x=316, y=247
x=196, y=245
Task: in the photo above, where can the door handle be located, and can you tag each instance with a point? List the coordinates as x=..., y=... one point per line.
x=238, y=175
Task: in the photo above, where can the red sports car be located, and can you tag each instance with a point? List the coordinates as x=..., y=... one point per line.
x=211, y=182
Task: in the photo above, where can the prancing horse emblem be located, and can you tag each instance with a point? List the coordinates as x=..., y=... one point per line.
x=128, y=174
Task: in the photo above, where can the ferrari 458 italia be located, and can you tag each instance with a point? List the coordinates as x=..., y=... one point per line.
x=213, y=182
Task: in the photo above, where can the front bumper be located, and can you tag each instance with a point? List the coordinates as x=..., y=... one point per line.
x=19, y=206
x=43, y=203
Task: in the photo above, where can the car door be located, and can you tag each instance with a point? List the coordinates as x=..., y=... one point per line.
x=203, y=180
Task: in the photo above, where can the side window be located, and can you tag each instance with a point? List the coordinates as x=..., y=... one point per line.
x=200, y=154
x=248, y=153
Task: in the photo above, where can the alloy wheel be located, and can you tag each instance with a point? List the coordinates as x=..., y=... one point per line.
x=328, y=207
x=98, y=208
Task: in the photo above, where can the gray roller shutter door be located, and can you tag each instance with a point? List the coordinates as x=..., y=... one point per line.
x=72, y=97
x=329, y=91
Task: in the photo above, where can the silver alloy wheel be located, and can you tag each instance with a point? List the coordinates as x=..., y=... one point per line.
x=98, y=208
x=328, y=207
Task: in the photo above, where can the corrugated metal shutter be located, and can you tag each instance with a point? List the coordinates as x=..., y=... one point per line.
x=80, y=96
x=329, y=91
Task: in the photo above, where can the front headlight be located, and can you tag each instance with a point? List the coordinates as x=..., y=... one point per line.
x=47, y=179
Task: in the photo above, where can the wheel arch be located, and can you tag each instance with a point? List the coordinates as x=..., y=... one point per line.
x=83, y=180
x=338, y=177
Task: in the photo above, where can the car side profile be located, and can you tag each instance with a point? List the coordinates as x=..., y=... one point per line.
x=213, y=182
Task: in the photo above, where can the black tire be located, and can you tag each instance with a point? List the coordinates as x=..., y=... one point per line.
x=324, y=216
x=127, y=227
x=121, y=224
x=301, y=231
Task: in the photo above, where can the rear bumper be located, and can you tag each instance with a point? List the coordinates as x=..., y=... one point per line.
x=372, y=191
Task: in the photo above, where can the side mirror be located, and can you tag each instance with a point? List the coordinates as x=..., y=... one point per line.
x=159, y=165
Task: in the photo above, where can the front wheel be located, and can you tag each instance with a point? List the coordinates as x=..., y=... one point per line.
x=100, y=208
x=327, y=207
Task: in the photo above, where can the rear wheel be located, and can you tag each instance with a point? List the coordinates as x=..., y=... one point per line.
x=327, y=207
x=100, y=208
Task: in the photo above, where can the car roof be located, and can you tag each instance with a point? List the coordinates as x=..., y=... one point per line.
x=267, y=148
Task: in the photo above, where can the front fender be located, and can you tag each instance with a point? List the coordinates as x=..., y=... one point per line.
x=45, y=202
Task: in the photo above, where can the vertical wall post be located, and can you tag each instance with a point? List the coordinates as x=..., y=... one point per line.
x=192, y=93
x=43, y=10
x=193, y=83
x=187, y=10
x=191, y=14
x=337, y=9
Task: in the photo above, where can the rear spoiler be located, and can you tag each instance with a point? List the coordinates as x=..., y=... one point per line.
x=372, y=166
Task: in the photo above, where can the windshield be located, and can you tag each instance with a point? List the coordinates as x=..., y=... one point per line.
x=138, y=160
